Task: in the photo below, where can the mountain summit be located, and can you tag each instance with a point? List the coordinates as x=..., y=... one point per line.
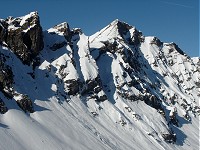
x=116, y=89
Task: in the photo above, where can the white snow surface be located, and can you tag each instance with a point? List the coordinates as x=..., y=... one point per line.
x=79, y=122
x=88, y=64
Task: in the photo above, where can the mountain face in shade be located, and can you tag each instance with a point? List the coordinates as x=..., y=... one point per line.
x=116, y=89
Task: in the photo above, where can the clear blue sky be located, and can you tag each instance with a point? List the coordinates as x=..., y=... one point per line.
x=170, y=20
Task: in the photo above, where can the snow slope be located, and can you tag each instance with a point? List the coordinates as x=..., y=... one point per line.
x=116, y=89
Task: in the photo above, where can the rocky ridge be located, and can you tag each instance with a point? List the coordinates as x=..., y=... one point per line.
x=116, y=64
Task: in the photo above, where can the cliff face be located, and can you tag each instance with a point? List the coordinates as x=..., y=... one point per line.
x=23, y=36
x=116, y=89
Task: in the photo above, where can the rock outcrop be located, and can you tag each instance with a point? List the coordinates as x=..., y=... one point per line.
x=2, y=32
x=6, y=78
x=23, y=36
x=25, y=104
x=64, y=28
x=3, y=108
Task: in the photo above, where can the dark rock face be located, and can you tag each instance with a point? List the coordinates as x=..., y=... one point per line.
x=123, y=28
x=175, y=47
x=6, y=78
x=64, y=28
x=157, y=42
x=3, y=108
x=109, y=47
x=94, y=89
x=137, y=38
x=91, y=85
x=23, y=36
x=72, y=86
x=173, y=119
x=170, y=138
x=2, y=32
x=25, y=104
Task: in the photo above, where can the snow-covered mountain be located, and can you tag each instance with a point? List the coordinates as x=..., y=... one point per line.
x=116, y=89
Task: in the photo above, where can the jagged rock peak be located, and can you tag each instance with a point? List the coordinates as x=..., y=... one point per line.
x=62, y=29
x=121, y=24
x=23, y=36
x=121, y=31
x=30, y=19
x=120, y=28
x=62, y=26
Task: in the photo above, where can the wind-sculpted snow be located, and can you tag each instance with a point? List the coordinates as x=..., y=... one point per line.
x=115, y=89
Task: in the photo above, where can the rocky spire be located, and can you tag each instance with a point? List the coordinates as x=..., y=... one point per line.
x=23, y=36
